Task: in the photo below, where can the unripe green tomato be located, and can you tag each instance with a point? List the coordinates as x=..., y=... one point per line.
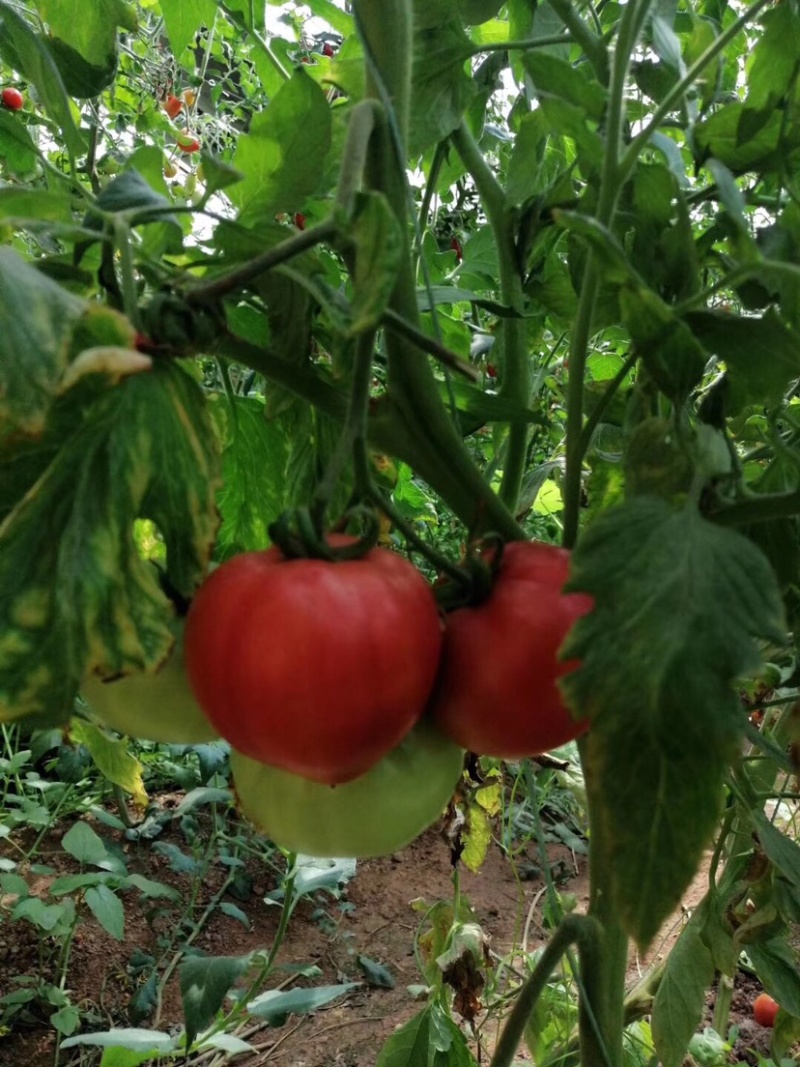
x=153, y=707
x=372, y=815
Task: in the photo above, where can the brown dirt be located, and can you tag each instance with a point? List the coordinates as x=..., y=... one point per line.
x=373, y=918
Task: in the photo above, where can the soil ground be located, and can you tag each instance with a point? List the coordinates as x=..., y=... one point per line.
x=374, y=918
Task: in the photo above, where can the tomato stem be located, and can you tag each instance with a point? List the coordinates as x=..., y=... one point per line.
x=580, y=930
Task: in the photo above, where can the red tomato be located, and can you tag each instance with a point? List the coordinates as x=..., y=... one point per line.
x=455, y=244
x=300, y=220
x=12, y=99
x=318, y=668
x=173, y=105
x=327, y=49
x=187, y=142
x=765, y=1009
x=497, y=692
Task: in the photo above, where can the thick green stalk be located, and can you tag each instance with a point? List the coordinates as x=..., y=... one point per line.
x=602, y=1018
x=385, y=26
x=610, y=187
x=575, y=929
x=516, y=371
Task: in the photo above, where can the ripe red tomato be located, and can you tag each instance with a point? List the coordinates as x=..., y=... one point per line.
x=375, y=814
x=765, y=1009
x=173, y=105
x=319, y=668
x=12, y=99
x=497, y=692
x=299, y=220
x=187, y=142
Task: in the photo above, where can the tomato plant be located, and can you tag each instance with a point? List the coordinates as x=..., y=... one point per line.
x=765, y=1010
x=497, y=692
x=317, y=667
x=12, y=98
x=374, y=814
x=158, y=706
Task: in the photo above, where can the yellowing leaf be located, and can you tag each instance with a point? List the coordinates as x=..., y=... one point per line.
x=113, y=759
x=477, y=838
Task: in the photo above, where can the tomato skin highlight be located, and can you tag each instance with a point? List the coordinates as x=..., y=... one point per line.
x=315, y=667
x=497, y=693
x=765, y=1009
x=379, y=812
x=12, y=99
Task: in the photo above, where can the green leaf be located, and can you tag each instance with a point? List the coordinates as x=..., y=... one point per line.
x=152, y=1042
x=107, y=908
x=376, y=974
x=91, y=29
x=719, y=136
x=557, y=77
x=18, y=153
x=679, y=604
x=27, y=53
x=205, y=982
x=538, y=159
x=781, y=850
x=669, y=349
x=130, y=190
x=274, y=1005
x=38, y=317
x=75, y=594
x=183, y=18
x=66, y=1020
x=253, y=478
x=680, y=1000
x=341, y=21
x=442, y=87
x=475, y=12
x=378, y=242
x=151, y=889
x=81, y=842
x=112, y=758
x=411, y=1045
x=772, y=66
x=33, y=205
x=762, y=353
x=283, y=155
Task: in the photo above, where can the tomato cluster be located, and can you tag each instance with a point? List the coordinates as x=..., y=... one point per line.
x=346, y=699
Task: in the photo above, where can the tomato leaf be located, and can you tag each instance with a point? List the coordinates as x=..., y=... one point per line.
x=283, y=154
x=378, y=247
x=442, y=88
x=183, y=18
x=430, y=1039
x=680, y=1000
x=762, y=354
x=112, y=758
x=75, y=594
x=253, y=477
x=38, y=317
x=678, y=605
